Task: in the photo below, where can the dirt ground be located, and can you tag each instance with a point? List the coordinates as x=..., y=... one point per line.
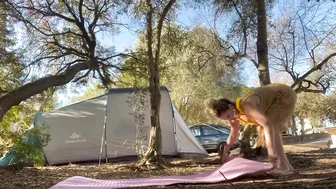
x=315, y=168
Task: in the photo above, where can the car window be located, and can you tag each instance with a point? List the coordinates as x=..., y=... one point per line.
x=222, y=128
x=196, y=131
x=210, y=131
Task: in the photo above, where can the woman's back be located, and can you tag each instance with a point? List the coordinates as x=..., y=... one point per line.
x=275, y=94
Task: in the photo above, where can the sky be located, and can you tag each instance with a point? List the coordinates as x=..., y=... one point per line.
x=186, y=17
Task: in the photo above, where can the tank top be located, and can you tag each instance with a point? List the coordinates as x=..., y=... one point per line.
x=249, y=120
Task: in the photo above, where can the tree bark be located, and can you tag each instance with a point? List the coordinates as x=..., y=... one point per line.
x=154, y=152
x=262, y=48
x=16, y=96
x=262, y=65
x=294, y=127
x=302, y=134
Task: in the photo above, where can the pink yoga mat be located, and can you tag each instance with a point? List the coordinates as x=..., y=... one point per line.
x=231, y=170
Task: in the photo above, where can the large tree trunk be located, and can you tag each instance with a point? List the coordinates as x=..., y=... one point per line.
x=16, y=96
x=154, y=152
x=262, y=48
x=263, y=67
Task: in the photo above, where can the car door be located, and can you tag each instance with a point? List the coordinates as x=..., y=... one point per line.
x=211, y=137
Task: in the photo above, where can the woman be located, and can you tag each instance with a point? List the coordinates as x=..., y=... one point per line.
x=269, y=107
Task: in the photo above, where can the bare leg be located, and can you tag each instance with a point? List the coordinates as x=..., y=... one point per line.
x=270, y=142
x=283, y=163
x=283, y=167
x=276, y=152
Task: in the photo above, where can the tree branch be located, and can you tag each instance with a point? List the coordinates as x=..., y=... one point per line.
x=71, y=11
x=80, y=10
x=149, y=29
x=159, y=28
x=22, y=93
x=304, y=89
x=317, y=67
x=81, y=77
x=251, y=59
x=244, y=25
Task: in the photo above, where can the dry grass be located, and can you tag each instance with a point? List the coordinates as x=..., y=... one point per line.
x=316, y=168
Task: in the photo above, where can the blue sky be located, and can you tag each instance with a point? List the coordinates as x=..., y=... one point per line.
x=186, y=17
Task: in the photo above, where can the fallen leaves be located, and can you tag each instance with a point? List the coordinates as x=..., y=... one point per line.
x=316, y=169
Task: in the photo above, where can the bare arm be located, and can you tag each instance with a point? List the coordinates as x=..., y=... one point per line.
x=231, y=139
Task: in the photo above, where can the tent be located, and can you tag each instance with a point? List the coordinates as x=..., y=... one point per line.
x=104, y=128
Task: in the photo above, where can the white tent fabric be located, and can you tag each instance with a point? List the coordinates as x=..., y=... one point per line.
x=75, y=131
x=120, y=124
x=80, y=131
x=185, y=139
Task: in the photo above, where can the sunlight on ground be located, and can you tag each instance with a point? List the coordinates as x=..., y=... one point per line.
x=326, y=161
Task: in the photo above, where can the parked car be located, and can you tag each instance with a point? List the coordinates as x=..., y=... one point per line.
x=212, y=137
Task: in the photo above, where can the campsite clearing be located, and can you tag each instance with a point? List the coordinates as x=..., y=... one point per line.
x=316, y=168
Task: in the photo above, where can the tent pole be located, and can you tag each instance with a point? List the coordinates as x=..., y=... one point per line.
x=105, y=123
x=102, y=140
x=175, y=130
x=105, y=140
x=174, y=122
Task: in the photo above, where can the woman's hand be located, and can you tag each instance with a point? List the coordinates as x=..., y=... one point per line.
x=224, y=158
x=231, y=139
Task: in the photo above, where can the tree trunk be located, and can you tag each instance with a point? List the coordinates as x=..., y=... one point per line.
x=154, y=152
x=262, y=66
x=262, y=48
x=302, y=134
x=294, y=126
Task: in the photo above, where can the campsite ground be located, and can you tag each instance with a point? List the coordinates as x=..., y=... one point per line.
x=316, y=168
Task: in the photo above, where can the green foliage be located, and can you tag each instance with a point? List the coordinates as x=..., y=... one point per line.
x=192, y=66
x=243, y=19
x=11, y=127
x=95, y=90
x=17, y=120
x=316, y=107
x=138, y=102
x=29, y=148
x=138, y=8
x=11, y=69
